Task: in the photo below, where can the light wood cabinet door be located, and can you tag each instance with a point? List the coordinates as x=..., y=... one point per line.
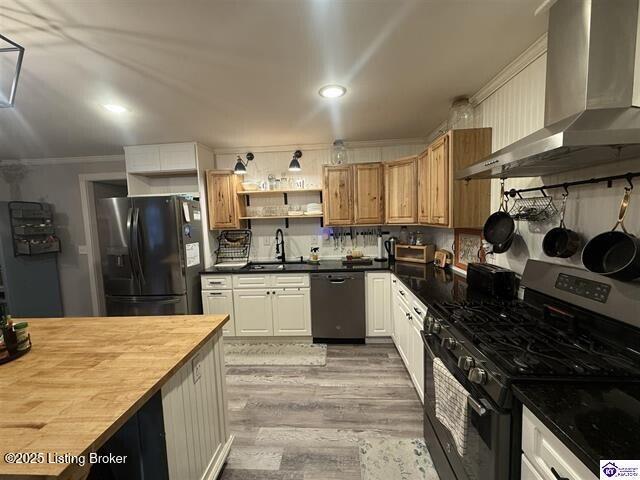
x=401, y=191
x=291, y=311
x=439, y=182
x=424, y=204
x=220, y=302
x=222, y=199
x=337, y=195
x=253, y=312
x=368, y=197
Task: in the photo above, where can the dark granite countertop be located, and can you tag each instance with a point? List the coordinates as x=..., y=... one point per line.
x=596, y=421
x=323, y=266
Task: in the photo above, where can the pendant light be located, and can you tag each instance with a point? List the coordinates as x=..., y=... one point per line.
x=241, y=165
x=294, y=165
x=10, y=51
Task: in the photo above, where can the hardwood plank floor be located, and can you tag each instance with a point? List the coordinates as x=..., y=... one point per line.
x=304, y=423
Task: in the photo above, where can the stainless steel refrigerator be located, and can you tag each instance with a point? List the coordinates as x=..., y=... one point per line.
x=151, y=255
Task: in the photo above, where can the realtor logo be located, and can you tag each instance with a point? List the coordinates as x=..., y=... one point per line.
x=627, y=469
x=610, y=469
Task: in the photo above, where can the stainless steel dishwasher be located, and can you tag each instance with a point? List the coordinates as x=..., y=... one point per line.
x=338, y=307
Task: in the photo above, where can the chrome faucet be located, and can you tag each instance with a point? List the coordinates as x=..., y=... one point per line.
x=280, y=245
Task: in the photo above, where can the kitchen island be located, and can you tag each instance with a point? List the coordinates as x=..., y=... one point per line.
x=86, y=380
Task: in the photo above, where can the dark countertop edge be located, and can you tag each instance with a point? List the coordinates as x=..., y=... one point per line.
x=591, y=463
x=327, y=266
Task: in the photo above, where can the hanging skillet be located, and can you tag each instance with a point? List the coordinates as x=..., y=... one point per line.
x=614, y=254
x=499, y=229
x=560, y=241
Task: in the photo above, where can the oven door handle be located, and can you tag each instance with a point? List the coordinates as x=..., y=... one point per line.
x=476, y=406
x=426, y=344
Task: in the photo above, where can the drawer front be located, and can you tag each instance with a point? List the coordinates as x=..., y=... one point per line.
x=251, y=281
x=290, y=280
x=404, y=295
x=216, y=282
x=418, y=310
x=528, y=471
x=547, y=454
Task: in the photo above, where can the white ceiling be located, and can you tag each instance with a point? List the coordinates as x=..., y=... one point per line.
x=247, y=72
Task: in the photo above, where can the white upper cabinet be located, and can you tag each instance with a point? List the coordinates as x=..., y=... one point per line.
x=159, y=159
x=178, y=157
x=142, y=159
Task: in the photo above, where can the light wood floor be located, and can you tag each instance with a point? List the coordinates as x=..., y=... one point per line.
x=303, y=423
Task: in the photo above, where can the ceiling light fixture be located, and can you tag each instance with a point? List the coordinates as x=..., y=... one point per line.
x=12, y=49
x=114, y=108
x=241, y=165
x=332, y=91
x=294, y=165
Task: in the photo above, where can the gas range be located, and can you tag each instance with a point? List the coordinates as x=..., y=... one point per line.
x=570, y=326
x=542, y=337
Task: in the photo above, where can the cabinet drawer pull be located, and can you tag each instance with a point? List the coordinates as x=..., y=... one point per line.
x=417, y=311
x=215, y=282
x=401, y=292
x=211, y=294
x=557, y=475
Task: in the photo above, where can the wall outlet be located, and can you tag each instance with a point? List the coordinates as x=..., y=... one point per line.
x=196, y=367
x=266, y=241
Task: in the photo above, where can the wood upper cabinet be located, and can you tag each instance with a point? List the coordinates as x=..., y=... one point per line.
x=337, y=195
x=368, y=194
x=401, y=191
x=444, y=201
x=439, y=181
x=424, y=215
x=222, y=197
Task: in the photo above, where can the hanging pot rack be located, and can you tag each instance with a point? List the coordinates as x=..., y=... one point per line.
x=566, y=185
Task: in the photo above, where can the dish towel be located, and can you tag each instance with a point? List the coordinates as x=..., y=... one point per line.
x=451, y=404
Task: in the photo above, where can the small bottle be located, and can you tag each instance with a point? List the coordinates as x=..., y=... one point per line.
x=22, y=335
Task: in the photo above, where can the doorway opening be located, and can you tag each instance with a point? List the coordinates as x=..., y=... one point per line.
x=93, y=187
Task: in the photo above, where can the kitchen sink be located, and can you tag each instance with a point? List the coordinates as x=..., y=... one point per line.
x=273, y=264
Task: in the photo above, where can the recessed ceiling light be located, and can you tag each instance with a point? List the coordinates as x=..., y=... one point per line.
x=332, y=91
x=114, y=108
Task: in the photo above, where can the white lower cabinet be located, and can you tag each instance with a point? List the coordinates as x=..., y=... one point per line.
x=544, y=456
x=291, y=311
x=406, y=333
x=253, y=312
x=417, y=360
x=378, y=308
x=220, y=302
x=260, y=305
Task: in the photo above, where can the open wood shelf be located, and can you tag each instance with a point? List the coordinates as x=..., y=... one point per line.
x=279, y=192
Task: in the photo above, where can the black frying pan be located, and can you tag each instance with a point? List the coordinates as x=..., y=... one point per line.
x=614, y=254
x=560, y=241
x=499, y=229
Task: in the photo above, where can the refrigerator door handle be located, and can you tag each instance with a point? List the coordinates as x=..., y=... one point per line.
x=130, y=243
x=135, y=241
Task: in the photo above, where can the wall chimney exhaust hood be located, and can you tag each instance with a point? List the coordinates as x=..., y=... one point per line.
x=592, y=94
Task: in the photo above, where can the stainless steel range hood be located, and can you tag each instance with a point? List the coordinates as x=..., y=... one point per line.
x=591, y=98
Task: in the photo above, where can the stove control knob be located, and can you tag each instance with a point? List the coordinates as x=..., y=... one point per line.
x=449, y=343
x=478, y=375
x=466, y=363
x=433, y=326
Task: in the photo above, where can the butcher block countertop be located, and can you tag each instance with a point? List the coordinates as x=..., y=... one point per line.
x=84, y=378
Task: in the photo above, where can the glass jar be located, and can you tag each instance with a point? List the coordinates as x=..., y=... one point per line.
x=339, y=153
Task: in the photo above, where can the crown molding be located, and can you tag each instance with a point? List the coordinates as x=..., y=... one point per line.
x=64, y=160
x=319, y=146
x=526, y=58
